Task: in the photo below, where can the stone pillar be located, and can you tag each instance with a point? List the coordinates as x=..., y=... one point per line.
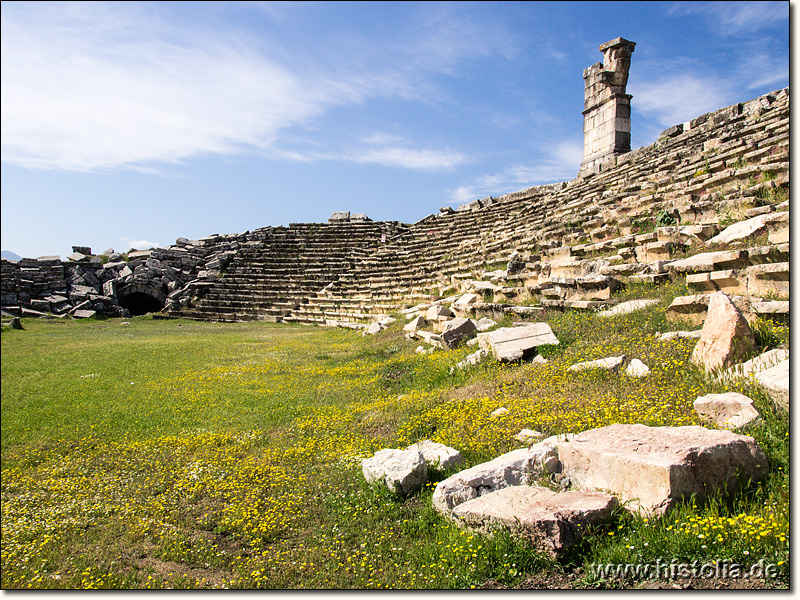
x=607, y=108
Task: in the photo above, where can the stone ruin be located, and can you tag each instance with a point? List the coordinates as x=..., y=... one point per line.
x=628, y=217
x=607, y=108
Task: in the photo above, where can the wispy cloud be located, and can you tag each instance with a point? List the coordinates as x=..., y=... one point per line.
x=678, y=98
x=87, y=98
x=731, y=18
x=87, y=88
x=562, y=164
x=766, y=70
x=410, y=158
x=140, y=244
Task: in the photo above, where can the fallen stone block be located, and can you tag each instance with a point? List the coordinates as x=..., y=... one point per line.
x=83, y=314
x=484, y=323
x=729, y=410
x=518, y=467
x=470, y=359
x=438, y=455
x=741, y=230
x=529, y=436
x=623, y=308
x=674, y=335
x=773, y=278
x=776, y=381
x=694, y=308
x=612, y=364
x=778, y=227
x=551, y=521
x=637, y=368
x=437, y=312
x=726, y=337
x=654, y=468
x=457, y=330
x=415, y=324
x=762, y=362
x=710, y=261
x=512, y=343
x=403, y=471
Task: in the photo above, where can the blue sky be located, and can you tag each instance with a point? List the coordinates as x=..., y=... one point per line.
x=130, y=124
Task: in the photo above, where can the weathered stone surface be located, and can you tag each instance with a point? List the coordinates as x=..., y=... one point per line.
x=612, y=363
x=726, y=337
x=83, y=314
x=729, y=410
x=710, y=261
x=457, y=330
x=637, y=368
x=551, y=521
x=740, y=230
x=694, y=308
x=415, y=324
x=466, y=300
x=374, y=328
x=511, y=343
x=484, y=323
x=403, y=471
x=778, y=226
x=624, y=308
x=518, y=467
x=762, y=362
x=437, y=312
x=655, y=467
x=776, y=381
x=438, y=455
x=470, y=359
x=674, y=335
x=529, y=436
x=769, y=279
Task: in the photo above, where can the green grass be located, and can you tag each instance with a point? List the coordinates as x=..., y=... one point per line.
x=178, y=454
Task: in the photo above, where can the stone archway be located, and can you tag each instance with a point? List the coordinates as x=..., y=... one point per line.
x=141, y=299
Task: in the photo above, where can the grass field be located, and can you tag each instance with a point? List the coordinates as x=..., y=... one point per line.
x=179, y=454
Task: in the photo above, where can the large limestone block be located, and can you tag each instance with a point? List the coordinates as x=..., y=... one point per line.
x=726, y=337
x=776, y=381
x=729, y=410
x=710, y=261
x=741, y=230
x=694, y=308
x=778, y=225
x=551, y=521
x=403, y=471
x=518, y=467
x=612, y=364
x=511, y=343
x=438, y=455
x=764, y=280
x=655, y=467
x=627, y=307
x=457, y=330
x=415, y=324
x=437, y=312
x=762, y=362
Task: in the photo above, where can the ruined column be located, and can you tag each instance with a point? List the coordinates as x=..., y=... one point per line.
x=607, y=108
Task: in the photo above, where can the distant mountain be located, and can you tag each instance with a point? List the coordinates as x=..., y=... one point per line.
x=10, y=255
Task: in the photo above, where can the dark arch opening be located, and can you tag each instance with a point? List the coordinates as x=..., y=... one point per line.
x=139, y=303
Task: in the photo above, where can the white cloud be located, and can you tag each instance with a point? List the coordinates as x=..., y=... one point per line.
x=140, y=244
x=766, y=70
x=679, y=98
x=562, y=164
x=731, y=18
x=417, y=159
x=92, y=92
